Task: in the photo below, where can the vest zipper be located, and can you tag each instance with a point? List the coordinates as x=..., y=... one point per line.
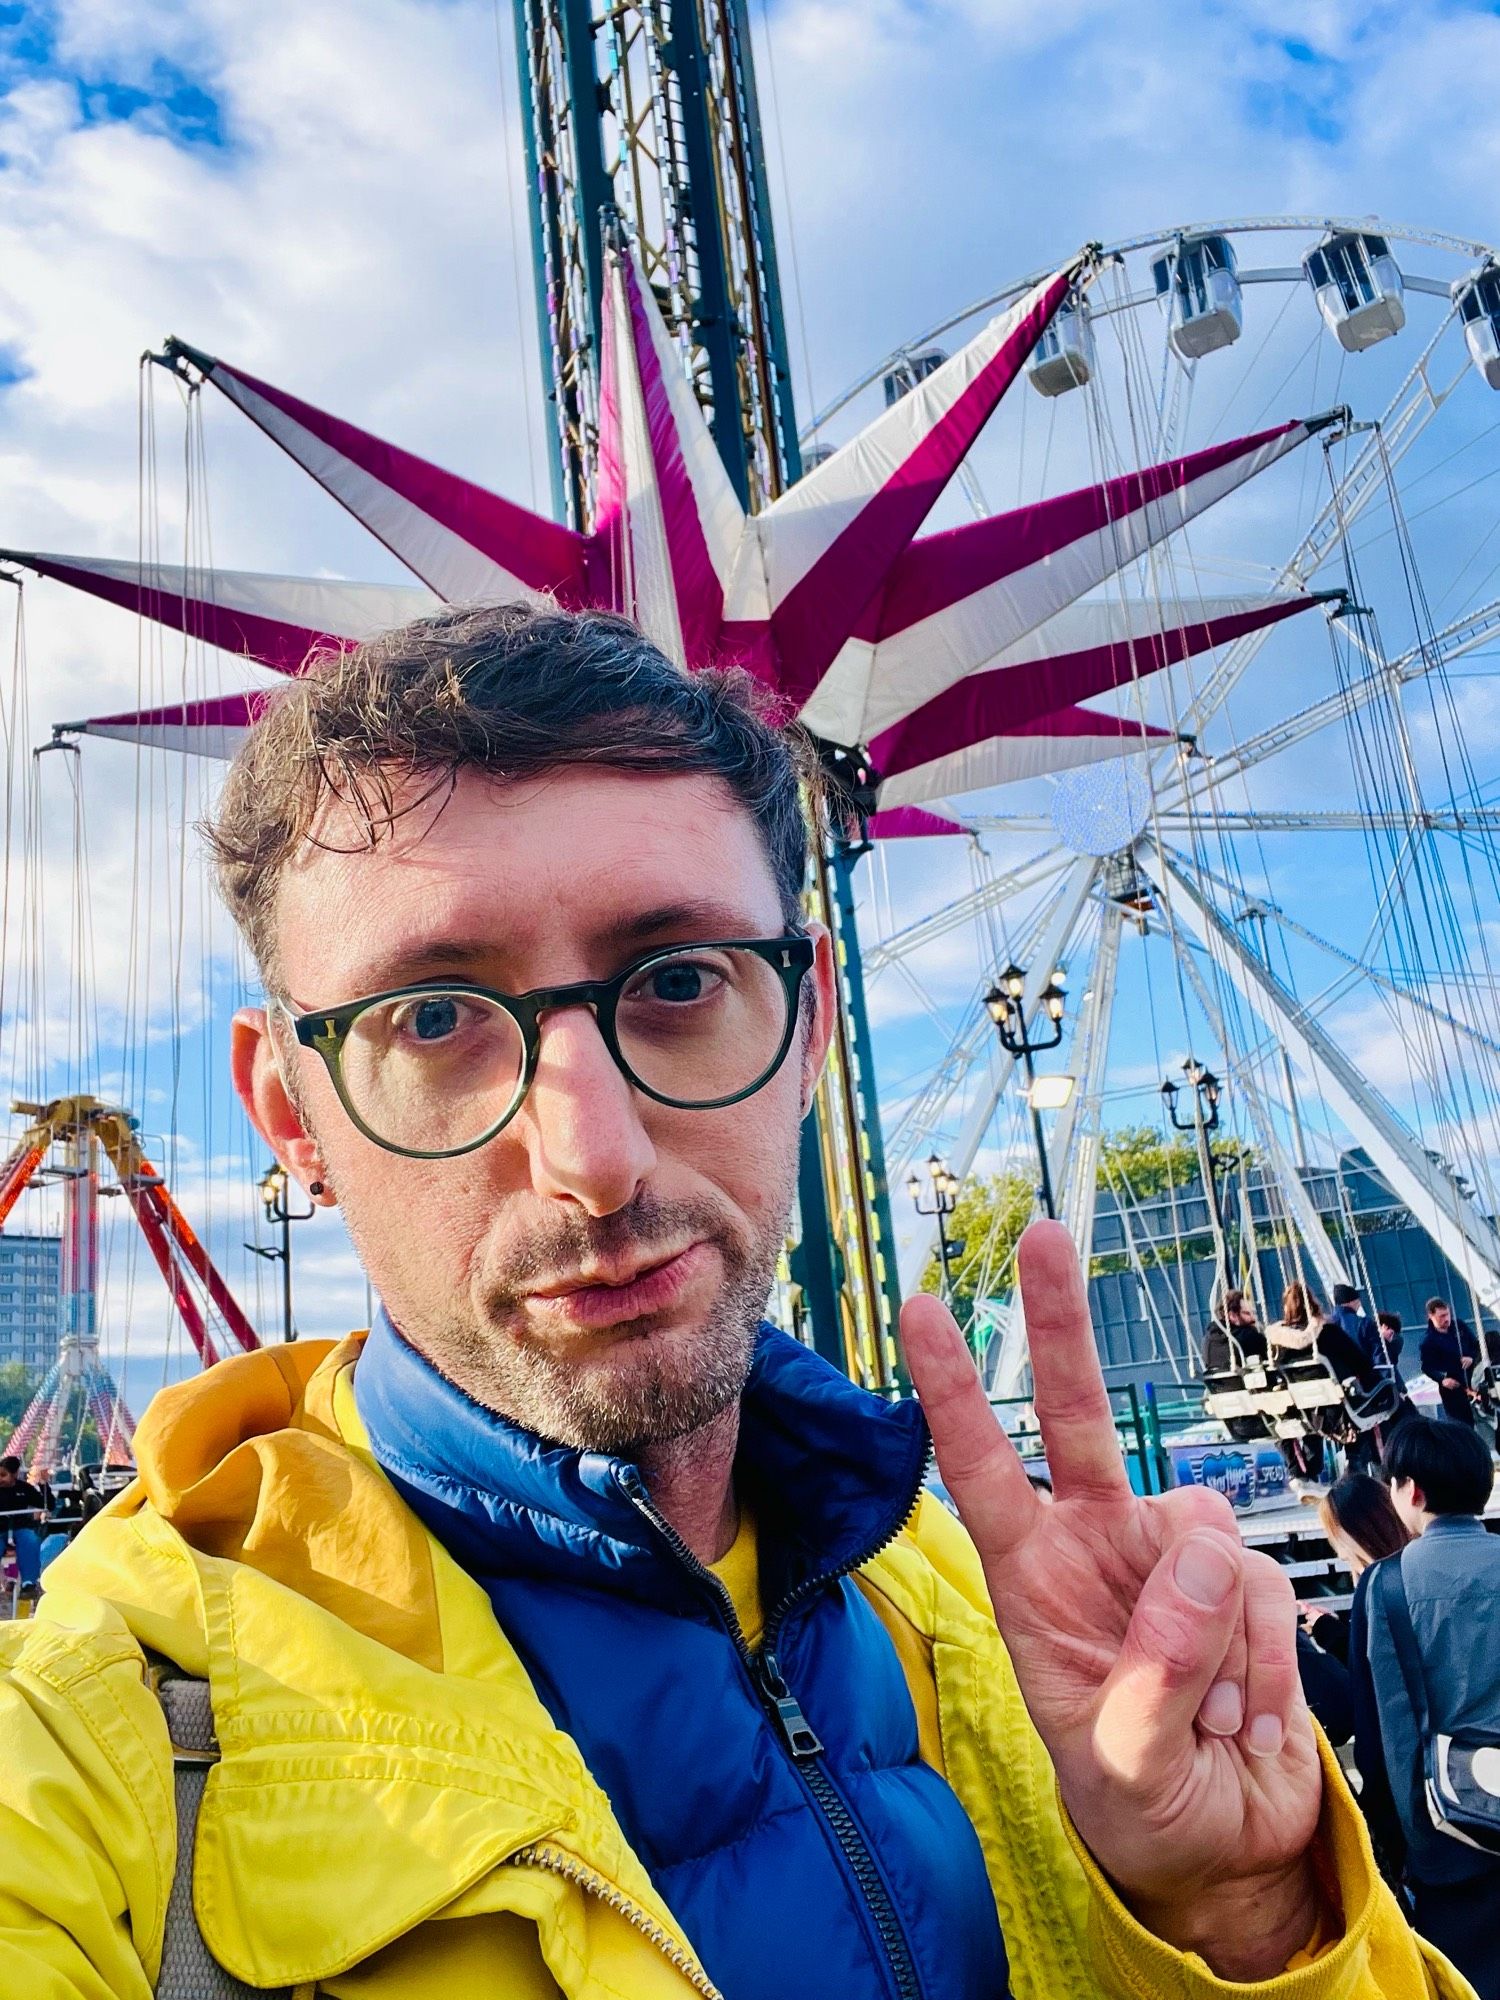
x=557, y=1863
x=797, y=1732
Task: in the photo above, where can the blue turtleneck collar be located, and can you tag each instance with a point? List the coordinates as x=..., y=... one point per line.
x=829, y=1470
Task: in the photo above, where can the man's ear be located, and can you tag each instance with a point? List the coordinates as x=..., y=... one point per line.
x=261, y=1088
x=823, y=985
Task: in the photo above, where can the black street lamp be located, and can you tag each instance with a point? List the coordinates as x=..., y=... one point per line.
x=1004, y=1002
x=1207, y=1090
x=274, y=1186
x=944, y=1201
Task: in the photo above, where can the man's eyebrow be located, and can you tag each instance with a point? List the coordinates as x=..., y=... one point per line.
x=473, y=959
x=687, y=920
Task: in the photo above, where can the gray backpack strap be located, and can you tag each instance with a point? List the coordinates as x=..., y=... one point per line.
x=189, y=1971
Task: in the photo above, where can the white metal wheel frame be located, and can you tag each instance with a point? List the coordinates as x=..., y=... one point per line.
x=1187, y=792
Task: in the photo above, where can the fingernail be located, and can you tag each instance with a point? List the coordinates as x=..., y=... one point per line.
x=1205, y=1572
x=1223, y=1709
x=1265, y=1736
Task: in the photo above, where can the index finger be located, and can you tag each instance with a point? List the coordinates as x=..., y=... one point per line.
x=979, y=1464
x=1072, y=1404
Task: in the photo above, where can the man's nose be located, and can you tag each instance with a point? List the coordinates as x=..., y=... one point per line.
x=581, y=1122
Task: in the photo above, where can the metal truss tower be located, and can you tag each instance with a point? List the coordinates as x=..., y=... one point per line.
x=646, y=110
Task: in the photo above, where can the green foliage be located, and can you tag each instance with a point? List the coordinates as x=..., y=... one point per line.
x=1135, y=1162
x=1140, y=1163
x=988, y=1222
x=18, y=1384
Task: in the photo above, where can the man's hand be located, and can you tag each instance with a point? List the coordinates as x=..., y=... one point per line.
x=1156, y=1654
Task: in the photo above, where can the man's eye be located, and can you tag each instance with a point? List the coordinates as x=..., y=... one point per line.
x=433, y=1019
x=678, y=983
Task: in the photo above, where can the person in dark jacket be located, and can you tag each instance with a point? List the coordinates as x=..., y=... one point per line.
x=1363, y=1528
x=1440, y=1476
x=22, y=1507
x=1232, y=1337
x=1389, y=1326
x=1349, y=1313
x=1450, y=1354
x=1325, y=1689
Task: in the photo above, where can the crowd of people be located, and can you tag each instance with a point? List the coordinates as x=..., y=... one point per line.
x=1407, y=1680
x=1363, y=1352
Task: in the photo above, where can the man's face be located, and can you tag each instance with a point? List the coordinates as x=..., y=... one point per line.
x=1243, y=1313
x=596, y=1271
x=7, y=1477
x=1442, y=1319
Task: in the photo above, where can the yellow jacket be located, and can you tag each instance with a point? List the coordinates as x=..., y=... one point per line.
x=394, y=1816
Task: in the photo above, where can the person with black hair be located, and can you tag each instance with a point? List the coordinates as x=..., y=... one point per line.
x=22, y=1506
x=1388, y=1325
x=1363, y=1527
x=1430, y=1668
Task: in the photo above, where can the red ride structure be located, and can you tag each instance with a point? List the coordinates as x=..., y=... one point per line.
x=88, y=1134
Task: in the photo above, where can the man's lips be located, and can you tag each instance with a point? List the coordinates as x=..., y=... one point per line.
x=610, y=1298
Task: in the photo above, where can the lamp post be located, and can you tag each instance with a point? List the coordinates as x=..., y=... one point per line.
x=1207, y=1090
x=1004, y=1003
x=274, y=1187
x=944, y=1201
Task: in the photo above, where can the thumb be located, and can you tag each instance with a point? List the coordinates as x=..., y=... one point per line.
x=1179, y=1635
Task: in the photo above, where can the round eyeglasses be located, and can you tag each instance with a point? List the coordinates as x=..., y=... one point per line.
x=439, y=1068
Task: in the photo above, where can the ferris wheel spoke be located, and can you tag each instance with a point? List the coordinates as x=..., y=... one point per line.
x=1064, y=908
x=1291, y=1191
x=1406, y=417
x=1203, y=776
x=1466, y=1237
x=1078, y=1139
x=1029, y=875
x=1409, y=996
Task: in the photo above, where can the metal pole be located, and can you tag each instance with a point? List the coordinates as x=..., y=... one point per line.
x=943, y=1256
x=1049, y=1206
x=1211, y=1189
x=289, y=1332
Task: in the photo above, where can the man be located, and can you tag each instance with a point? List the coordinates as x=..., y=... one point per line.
x=576, y=1632
x=1449, y=1356
x=1349, y=1313
x=22, y=1507
x=1440, y=1478
x=1232, y=1337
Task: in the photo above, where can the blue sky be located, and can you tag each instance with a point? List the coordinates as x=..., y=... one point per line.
x=332, y=196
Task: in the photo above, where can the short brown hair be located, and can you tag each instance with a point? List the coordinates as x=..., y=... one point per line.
x=507, y=689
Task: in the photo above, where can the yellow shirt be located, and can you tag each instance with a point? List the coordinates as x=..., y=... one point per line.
x=738, y=1569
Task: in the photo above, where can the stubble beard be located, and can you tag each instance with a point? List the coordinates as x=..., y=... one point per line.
x=625, y=1392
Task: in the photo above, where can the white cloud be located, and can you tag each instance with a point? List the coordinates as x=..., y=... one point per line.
x=355, y=243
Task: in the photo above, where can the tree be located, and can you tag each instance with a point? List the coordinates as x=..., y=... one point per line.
x=988, y=1221
x=1136, y=1163
x=18, y=1384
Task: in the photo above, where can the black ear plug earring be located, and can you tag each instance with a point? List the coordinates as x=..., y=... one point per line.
x=315, y=1187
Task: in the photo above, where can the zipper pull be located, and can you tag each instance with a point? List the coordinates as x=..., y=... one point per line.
x=801, y=1737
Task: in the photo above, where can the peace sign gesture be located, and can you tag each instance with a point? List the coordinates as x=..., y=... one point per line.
x=1156, y=1654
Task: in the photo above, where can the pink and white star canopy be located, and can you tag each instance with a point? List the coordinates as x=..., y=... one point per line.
x=959, y=660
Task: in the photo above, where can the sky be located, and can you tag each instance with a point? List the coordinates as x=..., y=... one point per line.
x=332, y=196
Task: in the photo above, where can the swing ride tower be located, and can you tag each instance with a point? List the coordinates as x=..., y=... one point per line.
x=647, y=111
x=81, y=1137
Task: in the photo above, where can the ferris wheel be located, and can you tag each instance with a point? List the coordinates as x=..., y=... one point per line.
x=1298, y=876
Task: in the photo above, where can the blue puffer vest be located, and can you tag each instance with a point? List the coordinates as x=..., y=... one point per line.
x=778, y=1801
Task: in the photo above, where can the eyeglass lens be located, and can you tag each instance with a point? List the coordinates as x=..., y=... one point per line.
x=435, y=1071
